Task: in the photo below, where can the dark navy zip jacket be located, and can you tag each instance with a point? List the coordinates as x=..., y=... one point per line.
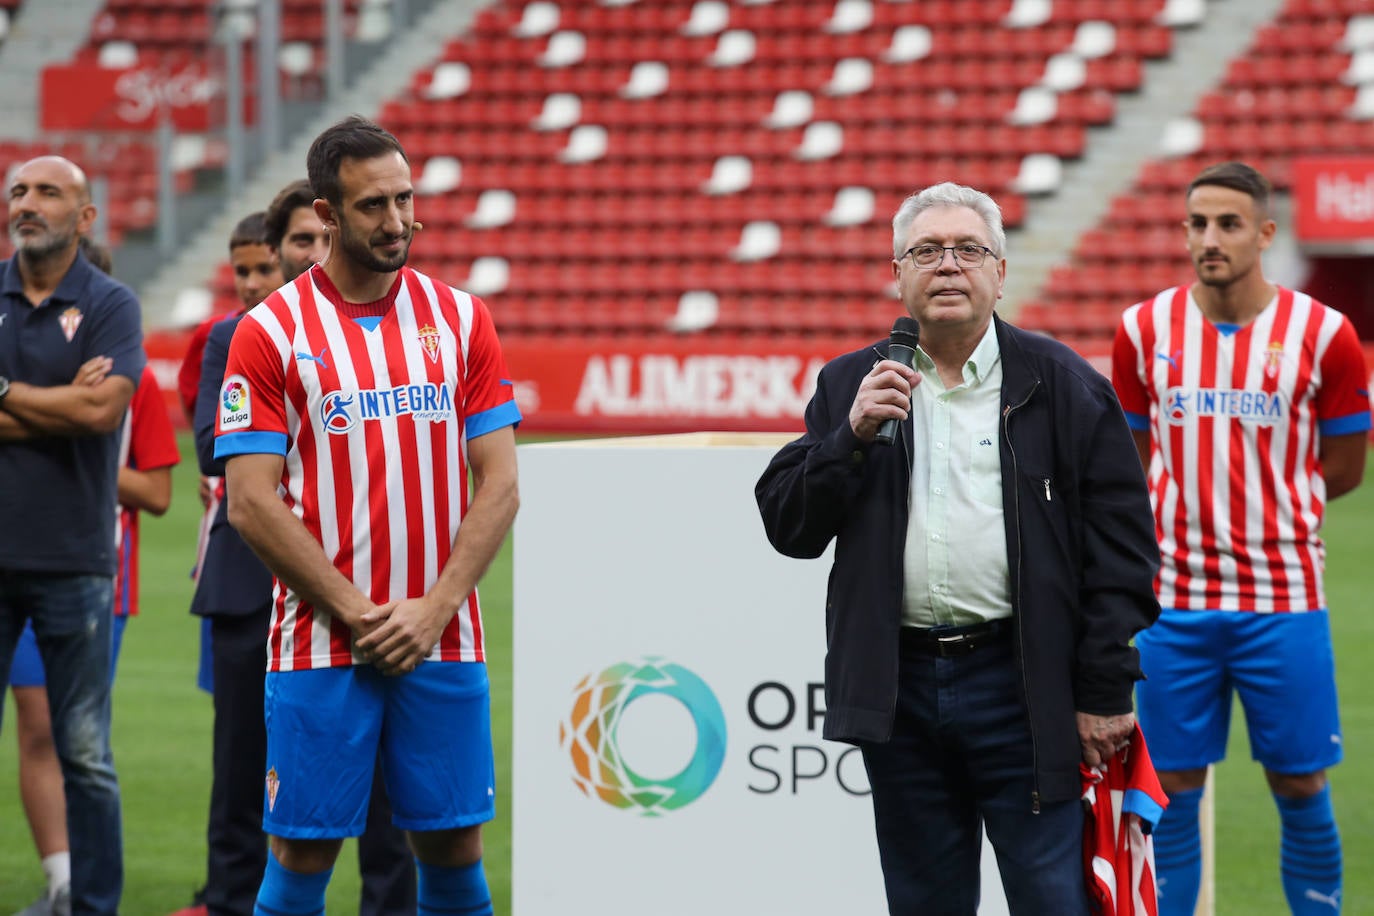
x=1081, y=548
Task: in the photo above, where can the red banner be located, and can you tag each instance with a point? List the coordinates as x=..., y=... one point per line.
x=665, y=385
x=84, y=96
x=642, y=385
x=1333, y=198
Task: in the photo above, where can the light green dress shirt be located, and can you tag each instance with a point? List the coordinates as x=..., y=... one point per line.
x=956, y=543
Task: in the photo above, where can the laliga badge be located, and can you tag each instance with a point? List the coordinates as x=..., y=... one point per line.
x=235, y=404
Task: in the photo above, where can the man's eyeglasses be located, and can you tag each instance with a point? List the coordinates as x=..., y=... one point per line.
x=928, y=256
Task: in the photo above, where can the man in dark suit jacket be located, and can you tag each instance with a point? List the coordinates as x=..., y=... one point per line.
x=235, y=593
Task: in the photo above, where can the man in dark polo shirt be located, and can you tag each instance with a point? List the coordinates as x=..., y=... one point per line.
x=59, y=451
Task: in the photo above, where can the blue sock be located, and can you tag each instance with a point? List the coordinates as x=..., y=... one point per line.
x=1310, y=854
x=452, y=891
x=290, y=893
x=1178, y=854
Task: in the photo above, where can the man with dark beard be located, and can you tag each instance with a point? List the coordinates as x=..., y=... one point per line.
x=355, y=401
x=235, y=592
x=59, y=455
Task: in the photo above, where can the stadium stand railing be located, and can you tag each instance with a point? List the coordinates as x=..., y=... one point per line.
x=593, y=168
x=1305, y=86
x=167, y=35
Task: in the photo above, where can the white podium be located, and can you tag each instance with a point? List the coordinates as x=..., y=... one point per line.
x=667, y=695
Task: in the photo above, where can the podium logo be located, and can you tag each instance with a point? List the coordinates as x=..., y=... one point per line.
x=592, y=735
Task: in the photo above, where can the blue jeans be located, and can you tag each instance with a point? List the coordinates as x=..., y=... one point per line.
x=72, y=618
x=960, y=760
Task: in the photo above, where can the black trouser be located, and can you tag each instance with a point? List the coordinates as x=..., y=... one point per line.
x=385, y=861
x=237, y=847
x=959, y=762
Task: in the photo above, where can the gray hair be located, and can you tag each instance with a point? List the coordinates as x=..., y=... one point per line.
x=948, y=194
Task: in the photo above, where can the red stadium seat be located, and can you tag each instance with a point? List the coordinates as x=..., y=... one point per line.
x=1146, y=41
x=608, y=245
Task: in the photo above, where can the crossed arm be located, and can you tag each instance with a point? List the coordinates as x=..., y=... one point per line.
x=92, y=404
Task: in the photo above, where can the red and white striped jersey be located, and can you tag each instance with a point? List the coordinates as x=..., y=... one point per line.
x=146, y=442
x=1236, y=421
x=374, y=425
x=1123, y=802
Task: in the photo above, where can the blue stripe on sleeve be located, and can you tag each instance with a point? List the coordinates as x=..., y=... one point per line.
x=250, y=443
x=1134, y=801
x=1342, y=426
x=1137, y=422
x=492, y=419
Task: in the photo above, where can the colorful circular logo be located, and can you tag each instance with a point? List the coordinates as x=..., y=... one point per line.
x=234, y=394
x=590, y=735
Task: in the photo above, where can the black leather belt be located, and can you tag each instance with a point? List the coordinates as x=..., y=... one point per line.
x=949, y=642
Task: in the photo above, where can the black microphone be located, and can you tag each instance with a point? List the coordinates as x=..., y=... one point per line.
x=901, y=347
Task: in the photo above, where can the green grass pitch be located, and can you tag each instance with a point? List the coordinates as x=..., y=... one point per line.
x=162, y=740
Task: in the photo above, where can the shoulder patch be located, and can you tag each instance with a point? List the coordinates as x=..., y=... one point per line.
x=235, y=404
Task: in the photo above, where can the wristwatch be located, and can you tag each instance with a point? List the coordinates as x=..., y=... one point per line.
x=4, y=388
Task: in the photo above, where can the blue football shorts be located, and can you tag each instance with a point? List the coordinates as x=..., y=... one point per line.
x=323, y=730
x=1280, y=665
x=27, y=668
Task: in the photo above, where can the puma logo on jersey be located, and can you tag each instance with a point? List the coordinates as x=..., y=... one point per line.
x=318, y=360
x=1171, y=360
